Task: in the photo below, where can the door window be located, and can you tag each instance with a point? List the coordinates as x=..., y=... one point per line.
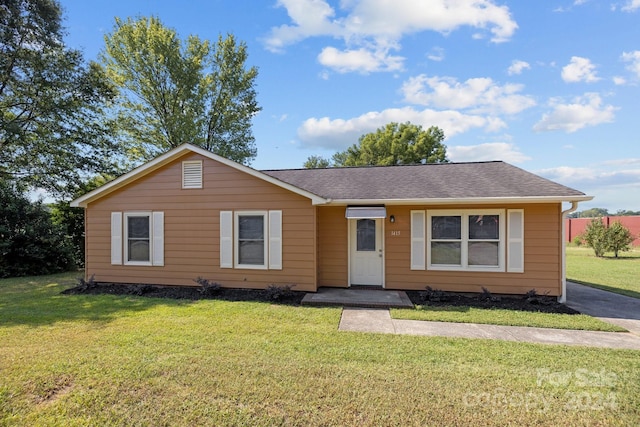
x=366, y=235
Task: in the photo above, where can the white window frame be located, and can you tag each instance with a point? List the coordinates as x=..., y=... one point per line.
x=125, y=240
x=464, y=241
x=265, y=238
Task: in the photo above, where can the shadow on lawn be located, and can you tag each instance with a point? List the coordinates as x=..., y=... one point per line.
x=37, y=305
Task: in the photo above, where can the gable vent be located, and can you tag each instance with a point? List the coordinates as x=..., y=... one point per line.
x=192, y=174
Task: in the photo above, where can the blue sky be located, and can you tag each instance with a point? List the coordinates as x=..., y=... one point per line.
x=550, y=86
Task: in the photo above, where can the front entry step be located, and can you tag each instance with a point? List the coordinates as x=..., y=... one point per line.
x=372, y=298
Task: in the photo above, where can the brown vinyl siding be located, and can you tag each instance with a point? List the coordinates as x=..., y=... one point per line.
x=542, y=255
x=192, y=228
x=333, y=253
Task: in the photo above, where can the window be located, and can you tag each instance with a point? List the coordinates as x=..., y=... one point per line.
x=138, y=244
x=466, y=240
x=192, y=174
x=137, y=238
x=366, y=235
x=251, y=239
x=251, y=244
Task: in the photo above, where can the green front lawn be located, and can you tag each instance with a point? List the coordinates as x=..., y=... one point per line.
x=505, y=317
x=618, y=275
x=112, y=360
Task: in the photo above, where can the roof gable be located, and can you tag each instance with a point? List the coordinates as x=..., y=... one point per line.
x=175, y=154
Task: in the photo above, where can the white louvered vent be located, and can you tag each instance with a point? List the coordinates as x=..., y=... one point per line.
x=192, y=174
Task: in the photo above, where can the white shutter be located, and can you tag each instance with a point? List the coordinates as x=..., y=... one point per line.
x=275, y=240
x=116, y=238
x=192, y=174
x=158, y=238
x=417, y=240
x=515, y=240
x=226, y=239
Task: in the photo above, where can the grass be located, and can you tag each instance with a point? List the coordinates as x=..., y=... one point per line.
x=505, y=317
x=113, y=360
x=619, y=275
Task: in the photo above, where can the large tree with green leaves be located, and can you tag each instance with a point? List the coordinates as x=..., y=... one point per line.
x=395, y=144
x=52, y=122
x=175, y=91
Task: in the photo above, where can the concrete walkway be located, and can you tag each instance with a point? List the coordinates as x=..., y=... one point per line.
x=353, y=297
x=618, y=309
x=379, y=321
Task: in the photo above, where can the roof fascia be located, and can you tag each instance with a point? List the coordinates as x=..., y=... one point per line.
x=450, y=201
x=174, y=154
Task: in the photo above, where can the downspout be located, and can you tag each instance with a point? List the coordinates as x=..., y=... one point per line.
x=563, y=296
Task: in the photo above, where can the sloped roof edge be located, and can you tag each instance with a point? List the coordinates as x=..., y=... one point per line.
x=174, y=154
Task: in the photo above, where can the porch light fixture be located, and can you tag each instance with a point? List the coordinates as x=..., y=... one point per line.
x=392, y=219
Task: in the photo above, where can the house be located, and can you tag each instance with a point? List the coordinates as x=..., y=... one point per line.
x=456, y=226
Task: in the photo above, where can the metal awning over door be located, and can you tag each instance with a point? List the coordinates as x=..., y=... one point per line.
x=361, y=212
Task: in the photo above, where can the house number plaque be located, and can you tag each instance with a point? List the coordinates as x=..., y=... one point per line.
x=395, y=233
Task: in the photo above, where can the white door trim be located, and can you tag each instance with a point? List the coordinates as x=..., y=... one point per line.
x=350, y=242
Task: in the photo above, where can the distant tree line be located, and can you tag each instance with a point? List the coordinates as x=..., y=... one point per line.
x=599, y=212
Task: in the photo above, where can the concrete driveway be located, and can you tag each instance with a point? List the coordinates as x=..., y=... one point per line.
x=613, y=308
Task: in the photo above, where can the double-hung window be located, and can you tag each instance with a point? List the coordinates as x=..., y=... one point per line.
x=251, y=239
x=466, y=240
x=137, y=238
x=252, y=244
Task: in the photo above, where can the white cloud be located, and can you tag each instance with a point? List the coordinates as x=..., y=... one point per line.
x=617, y=80
x=488, y=151
x=633, y=58
x=479, y=95
x=584, y=111
x=517, y=67
x=359, y=60
x=595, y=176
x=375, y=25
x=437, y=54
x=579, y=70
x=631, y=6
x=336, y=134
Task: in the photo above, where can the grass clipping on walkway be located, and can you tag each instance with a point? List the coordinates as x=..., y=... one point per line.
x=498, y=316
x=77, y=360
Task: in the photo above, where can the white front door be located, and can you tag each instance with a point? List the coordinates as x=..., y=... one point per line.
x=367, y=257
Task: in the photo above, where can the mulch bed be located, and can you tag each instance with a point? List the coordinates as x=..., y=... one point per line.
x=280, y=296
x=434, y=298
x=539, y=303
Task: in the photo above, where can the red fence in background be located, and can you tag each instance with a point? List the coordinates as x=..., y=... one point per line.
x=575, y=226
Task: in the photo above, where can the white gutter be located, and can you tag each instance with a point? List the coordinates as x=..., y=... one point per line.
x=458, y=201
x=563, y=296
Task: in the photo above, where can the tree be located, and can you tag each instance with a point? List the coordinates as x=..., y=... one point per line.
x=30, y=243
x=52, y=122
x=172, y=92
x=594, y=212
x=316, y=162
x=71, y=220
x=619, y=238
x=395, y=144
x=595, y=236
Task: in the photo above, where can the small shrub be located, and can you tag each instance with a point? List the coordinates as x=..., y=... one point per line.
x=595, y=236
x=434, y=295
x=207, y=287
x=486, y=295
x=619, y=238
x=278, y=293
x=532, y=297
x=85, y=285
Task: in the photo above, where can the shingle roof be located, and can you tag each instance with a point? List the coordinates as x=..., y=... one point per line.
x=431, y=181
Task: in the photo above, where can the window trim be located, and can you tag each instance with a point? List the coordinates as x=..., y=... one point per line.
x=125, y=239
x=464, y=241
x=236, y=239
